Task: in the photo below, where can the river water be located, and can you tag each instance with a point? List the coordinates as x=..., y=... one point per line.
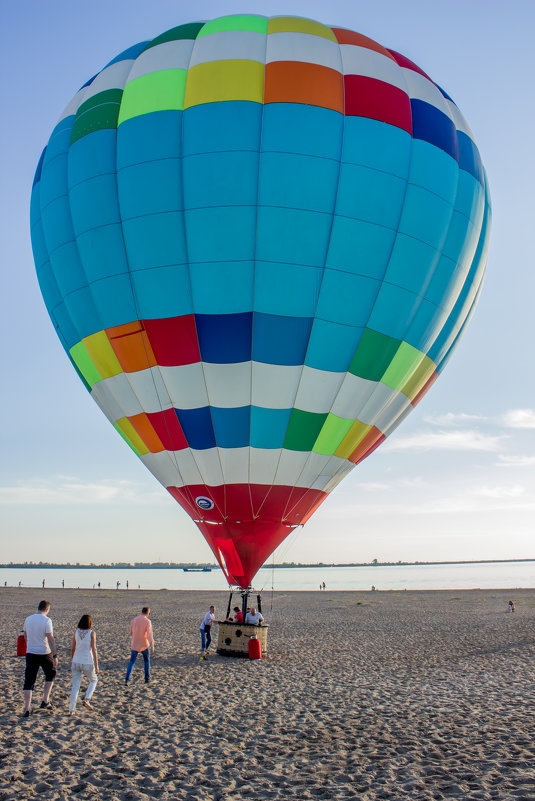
x=502, y=575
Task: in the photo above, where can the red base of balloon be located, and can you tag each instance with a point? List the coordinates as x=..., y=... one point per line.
x=242, y=548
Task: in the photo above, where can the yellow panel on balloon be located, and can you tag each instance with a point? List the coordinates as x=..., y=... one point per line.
x=216, y=81
x=101, y=353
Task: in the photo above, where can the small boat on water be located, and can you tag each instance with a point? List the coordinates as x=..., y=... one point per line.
x=197, y=569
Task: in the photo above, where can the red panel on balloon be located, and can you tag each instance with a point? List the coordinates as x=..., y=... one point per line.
x=367, y=97
x=174, y=340
x=403, y=61
x=168, y=429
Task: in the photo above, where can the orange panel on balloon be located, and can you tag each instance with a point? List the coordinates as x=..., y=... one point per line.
x=301, y=82
x=354, y=38
x=370, y=442
x=143, y=427
x=132, y=347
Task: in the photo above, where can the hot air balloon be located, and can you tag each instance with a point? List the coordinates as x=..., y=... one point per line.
x=259, y=241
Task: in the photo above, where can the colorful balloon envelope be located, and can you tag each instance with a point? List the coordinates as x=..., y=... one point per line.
x=259, y=241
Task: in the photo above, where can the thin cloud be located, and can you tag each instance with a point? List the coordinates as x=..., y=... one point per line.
x=519, y=418
x=469, y=440
x=75, y=492
x=501, y=492
x=373, y=486
x=515, y=461
x=451, y=419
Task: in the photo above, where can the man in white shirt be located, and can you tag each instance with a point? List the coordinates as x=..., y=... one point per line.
x=40, y=653
x=206, y=627
x=254, y=618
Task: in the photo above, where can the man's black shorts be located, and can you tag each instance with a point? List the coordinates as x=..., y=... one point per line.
x=33, y=663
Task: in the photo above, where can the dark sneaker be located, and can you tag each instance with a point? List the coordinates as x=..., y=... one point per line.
x=147, y=681
x=27, y=713
x=45, y=705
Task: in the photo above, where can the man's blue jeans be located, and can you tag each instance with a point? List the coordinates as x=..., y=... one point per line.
x=146, y=663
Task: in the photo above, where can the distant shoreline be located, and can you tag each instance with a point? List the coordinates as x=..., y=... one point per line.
x=213, y=565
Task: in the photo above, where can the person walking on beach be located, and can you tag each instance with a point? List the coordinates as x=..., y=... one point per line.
x=84, y=661
x=142, y=642
x=40, y=653
x=206, y=628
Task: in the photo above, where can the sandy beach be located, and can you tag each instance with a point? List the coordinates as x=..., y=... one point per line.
x=384, y=695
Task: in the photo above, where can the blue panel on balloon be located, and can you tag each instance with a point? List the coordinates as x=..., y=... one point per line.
x=347, y=298
x=299, y=128
x=425, y=326
x=155, y=240
x=220, y=179
x=231, y=426
x=461, y=235
x=432, y=125
x=224, y=338
x=280, y=340
x=425, y=216
x=83, y=313
x=197, y=427
x=298, y=182
x=92, y=155
x=332, y=346
x=393, y=311
x=286, y=289
x=149, y=137
x=470, y=198
x=448, y=278
x=221, y=234
x=37, y=176
x=434, y=169
x=130, y=53
x=215, y=127
x=377, y=145
x=54, y=183
x=222, y=287
x=59, y=139
x=268, y=427
x=48, y=286
x=293, y=236
x=360, y=247
x=64, y=325
x=150, y=188
x=411, y=264
x=57, y=224
x=370, y=195
x=114, y=300
x=68, y=268
x=469, y=158
x=102, y=252
x=162, y=291
x=94, y=203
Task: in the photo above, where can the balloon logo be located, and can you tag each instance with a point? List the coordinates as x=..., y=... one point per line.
x=259, y=241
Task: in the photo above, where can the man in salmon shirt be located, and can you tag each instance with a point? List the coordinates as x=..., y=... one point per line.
x=142, y=642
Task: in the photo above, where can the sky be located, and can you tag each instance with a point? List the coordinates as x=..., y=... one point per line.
x=455, y=481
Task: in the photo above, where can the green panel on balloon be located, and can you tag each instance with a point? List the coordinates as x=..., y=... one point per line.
x=236, y=22
x=82, y=360
x=402, y=366
x=331, y=435
x=374, y=353
x=101, y=111
x=188, y=31
x=158, y=91
x=303, y=430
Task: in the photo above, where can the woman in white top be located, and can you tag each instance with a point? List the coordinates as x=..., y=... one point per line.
x=84, y=660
